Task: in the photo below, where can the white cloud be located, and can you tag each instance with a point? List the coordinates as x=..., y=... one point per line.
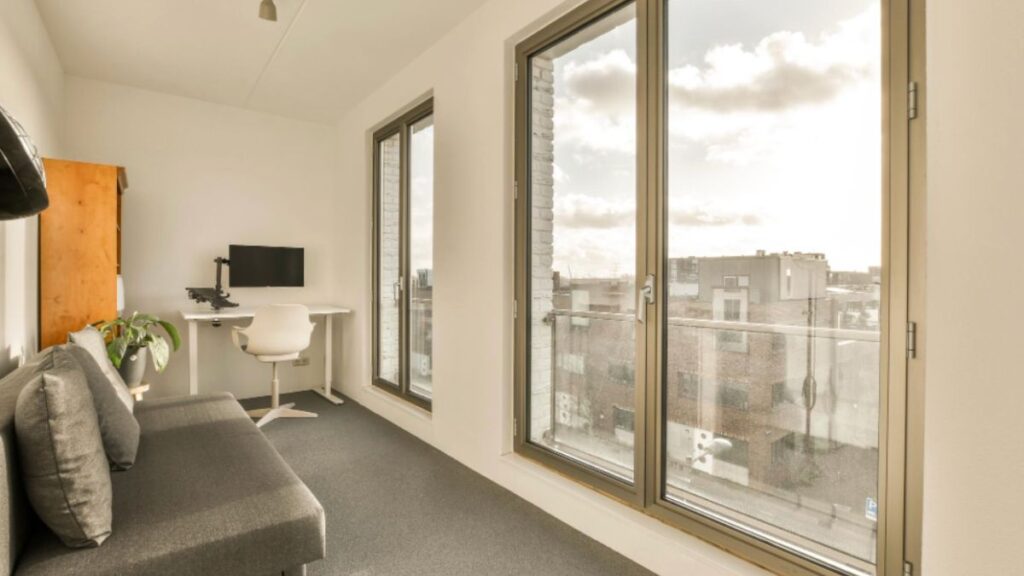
x=580, y=211
x=596, y=107
x=774, y=145
x=746, y=104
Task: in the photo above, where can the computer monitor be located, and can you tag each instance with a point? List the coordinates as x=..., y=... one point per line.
x=264, y=266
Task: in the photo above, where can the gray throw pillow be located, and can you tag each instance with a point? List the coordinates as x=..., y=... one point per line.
x=91, y=339
x=65, y=471
x=118, y=427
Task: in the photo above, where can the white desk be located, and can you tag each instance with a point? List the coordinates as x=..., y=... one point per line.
x=196, y=315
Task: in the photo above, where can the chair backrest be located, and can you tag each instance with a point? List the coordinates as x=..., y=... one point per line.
x=279, y=329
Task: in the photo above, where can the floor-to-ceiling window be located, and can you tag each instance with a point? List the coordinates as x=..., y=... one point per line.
x=403, y=173
x=704, y=285
x=583, y=248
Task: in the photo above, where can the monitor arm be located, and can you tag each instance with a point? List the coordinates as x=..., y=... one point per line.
x=221, y=261
x=215, y=296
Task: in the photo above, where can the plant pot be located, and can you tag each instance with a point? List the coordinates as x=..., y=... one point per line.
x=133, y=366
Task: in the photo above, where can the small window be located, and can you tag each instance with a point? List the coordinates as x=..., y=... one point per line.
x=689, y=385
x=733, y=310
x=779, y=395
x=733, y=395
x=621, y=372
x=624, y=418
x=403, y=168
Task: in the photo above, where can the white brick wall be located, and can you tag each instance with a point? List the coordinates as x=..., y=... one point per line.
x=390, y=223
x=541, y=197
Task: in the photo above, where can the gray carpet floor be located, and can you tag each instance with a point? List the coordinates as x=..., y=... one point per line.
x=396, y=506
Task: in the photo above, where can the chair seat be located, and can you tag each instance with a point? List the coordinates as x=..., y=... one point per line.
x=207, y=495
x=268, y=358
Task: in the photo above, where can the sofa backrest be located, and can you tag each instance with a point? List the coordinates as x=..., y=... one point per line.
x=17, y=520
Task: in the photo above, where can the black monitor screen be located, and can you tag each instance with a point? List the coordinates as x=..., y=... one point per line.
x=261, y=266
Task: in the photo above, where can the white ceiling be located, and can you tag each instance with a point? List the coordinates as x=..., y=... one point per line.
x=318, y=59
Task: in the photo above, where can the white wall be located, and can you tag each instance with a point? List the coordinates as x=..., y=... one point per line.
x=31, y=90
x=974, y=454
x=469, y=71
x=203, y=176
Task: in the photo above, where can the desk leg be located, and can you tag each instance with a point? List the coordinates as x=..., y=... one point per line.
x=327, y=392
x=193, y=357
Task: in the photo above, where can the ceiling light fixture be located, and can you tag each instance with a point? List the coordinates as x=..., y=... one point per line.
x=268, y=11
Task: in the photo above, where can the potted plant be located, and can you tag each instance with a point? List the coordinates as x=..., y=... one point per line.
x=131, y=337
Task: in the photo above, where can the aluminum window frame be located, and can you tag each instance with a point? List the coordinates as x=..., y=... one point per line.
x=401, y=125
x=902, y=379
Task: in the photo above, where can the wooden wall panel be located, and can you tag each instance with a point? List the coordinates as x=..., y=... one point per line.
x=78, y=249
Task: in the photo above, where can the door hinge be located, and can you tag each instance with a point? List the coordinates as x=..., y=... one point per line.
x=515, y=308
x=912, y=100
x=911, y=339
x=515, y=72
x=515, y=427
x=515, y=190
x=908, y=569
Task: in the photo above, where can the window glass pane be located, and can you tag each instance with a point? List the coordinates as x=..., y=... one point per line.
x=773, y=274
x=421, y=256
x=583, y=245
x=389, y=237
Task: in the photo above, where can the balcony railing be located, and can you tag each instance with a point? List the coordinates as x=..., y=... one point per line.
x=792, y=485
x=728, y=325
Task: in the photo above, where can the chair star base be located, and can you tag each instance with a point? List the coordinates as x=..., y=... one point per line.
x=267, y=415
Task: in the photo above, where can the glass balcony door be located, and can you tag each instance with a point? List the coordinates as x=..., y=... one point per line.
x=772, y=308
x=582, y=400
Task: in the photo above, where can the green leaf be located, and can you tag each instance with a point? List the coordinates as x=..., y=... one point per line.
x=172, y=331
x=131, y=336
x=158, y=349
x=146, y=320
x=117, y=349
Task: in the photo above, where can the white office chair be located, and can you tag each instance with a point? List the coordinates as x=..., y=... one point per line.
x=278, y=333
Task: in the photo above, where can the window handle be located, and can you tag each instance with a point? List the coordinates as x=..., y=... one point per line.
x=644, y=296
x=397, y=288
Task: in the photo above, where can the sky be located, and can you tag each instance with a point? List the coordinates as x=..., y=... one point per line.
x=774, y=135
x=421, y=195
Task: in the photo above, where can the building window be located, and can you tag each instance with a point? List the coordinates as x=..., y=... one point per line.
x=624, y=418
x=732, y=310
x=403, y=168
x=779, y=394
x=733, y=395
x=622, y=372
x=689, y=385
x=728, y=160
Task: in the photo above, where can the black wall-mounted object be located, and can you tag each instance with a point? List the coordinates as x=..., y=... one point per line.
x=264, y=266
x=216, y=296
x=22, y=179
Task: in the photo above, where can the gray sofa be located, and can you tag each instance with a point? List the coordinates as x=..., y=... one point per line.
x=208, y=494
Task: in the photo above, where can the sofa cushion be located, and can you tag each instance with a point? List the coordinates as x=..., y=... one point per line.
x=21, y=521
x=208, y=495
x=91, y=339
x=118, y=427
x=66, y=473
